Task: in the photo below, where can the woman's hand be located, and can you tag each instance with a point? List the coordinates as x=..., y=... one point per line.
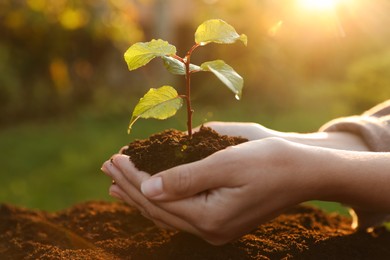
x=224, y=195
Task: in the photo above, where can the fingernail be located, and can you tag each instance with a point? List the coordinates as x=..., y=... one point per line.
x=115, y=195
x=152, y=187
x=105, y=169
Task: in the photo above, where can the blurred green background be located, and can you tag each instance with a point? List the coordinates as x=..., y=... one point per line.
x=66, y=96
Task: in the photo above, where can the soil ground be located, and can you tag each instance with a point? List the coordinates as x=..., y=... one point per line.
x=107, y=230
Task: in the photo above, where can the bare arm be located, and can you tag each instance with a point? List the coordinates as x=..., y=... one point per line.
x=358, y=179
x=254, y=131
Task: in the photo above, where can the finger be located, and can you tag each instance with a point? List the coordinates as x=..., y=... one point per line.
x=105, y=167
x=189, y=179
x=130, y=172
x=154, y=213
x=116, y=192
x=132, y=195
x=128, y=179
x=163, y=225
x=124, y=182
x=209, y=223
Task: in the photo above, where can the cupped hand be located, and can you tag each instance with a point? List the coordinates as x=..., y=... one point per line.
x=222, y=196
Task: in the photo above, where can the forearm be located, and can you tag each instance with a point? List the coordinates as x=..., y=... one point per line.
x=334, y=140
x=358, y=179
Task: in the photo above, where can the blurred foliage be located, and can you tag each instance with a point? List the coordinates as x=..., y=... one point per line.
x=63, y=59
x=368, y=79
x=56, y=56
x=52, y=53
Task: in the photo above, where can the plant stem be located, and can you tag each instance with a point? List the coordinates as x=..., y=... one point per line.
x=188, y=98
x=187, y=62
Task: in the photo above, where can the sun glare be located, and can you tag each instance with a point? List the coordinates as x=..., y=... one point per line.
x=323, y=14
x=318, y=5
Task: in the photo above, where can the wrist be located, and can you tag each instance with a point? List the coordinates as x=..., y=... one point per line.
x=340, y=176
x=316, y=177
x=359, y=180
x=299, y=168
x=334, y=140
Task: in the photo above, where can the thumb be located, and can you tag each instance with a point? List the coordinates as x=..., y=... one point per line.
x=184, y=180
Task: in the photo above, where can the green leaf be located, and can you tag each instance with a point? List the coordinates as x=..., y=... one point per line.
x=226, y=74
x=177, y=67
x=218, y=31
x=160, y=103
x=141, y=53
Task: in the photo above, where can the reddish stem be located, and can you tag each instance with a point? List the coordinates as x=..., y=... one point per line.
x=187, y=62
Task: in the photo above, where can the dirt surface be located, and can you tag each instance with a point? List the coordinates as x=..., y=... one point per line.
x=107, y=230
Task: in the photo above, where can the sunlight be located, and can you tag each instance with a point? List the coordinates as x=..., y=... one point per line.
x=318, y=5
x=323, y=14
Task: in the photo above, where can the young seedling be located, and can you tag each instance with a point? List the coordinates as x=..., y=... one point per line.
x=163, y=102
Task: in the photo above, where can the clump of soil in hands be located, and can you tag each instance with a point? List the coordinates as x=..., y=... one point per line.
x=172, y=148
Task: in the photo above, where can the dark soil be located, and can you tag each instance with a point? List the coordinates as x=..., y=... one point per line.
x=173, y=148
x=107, y=230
